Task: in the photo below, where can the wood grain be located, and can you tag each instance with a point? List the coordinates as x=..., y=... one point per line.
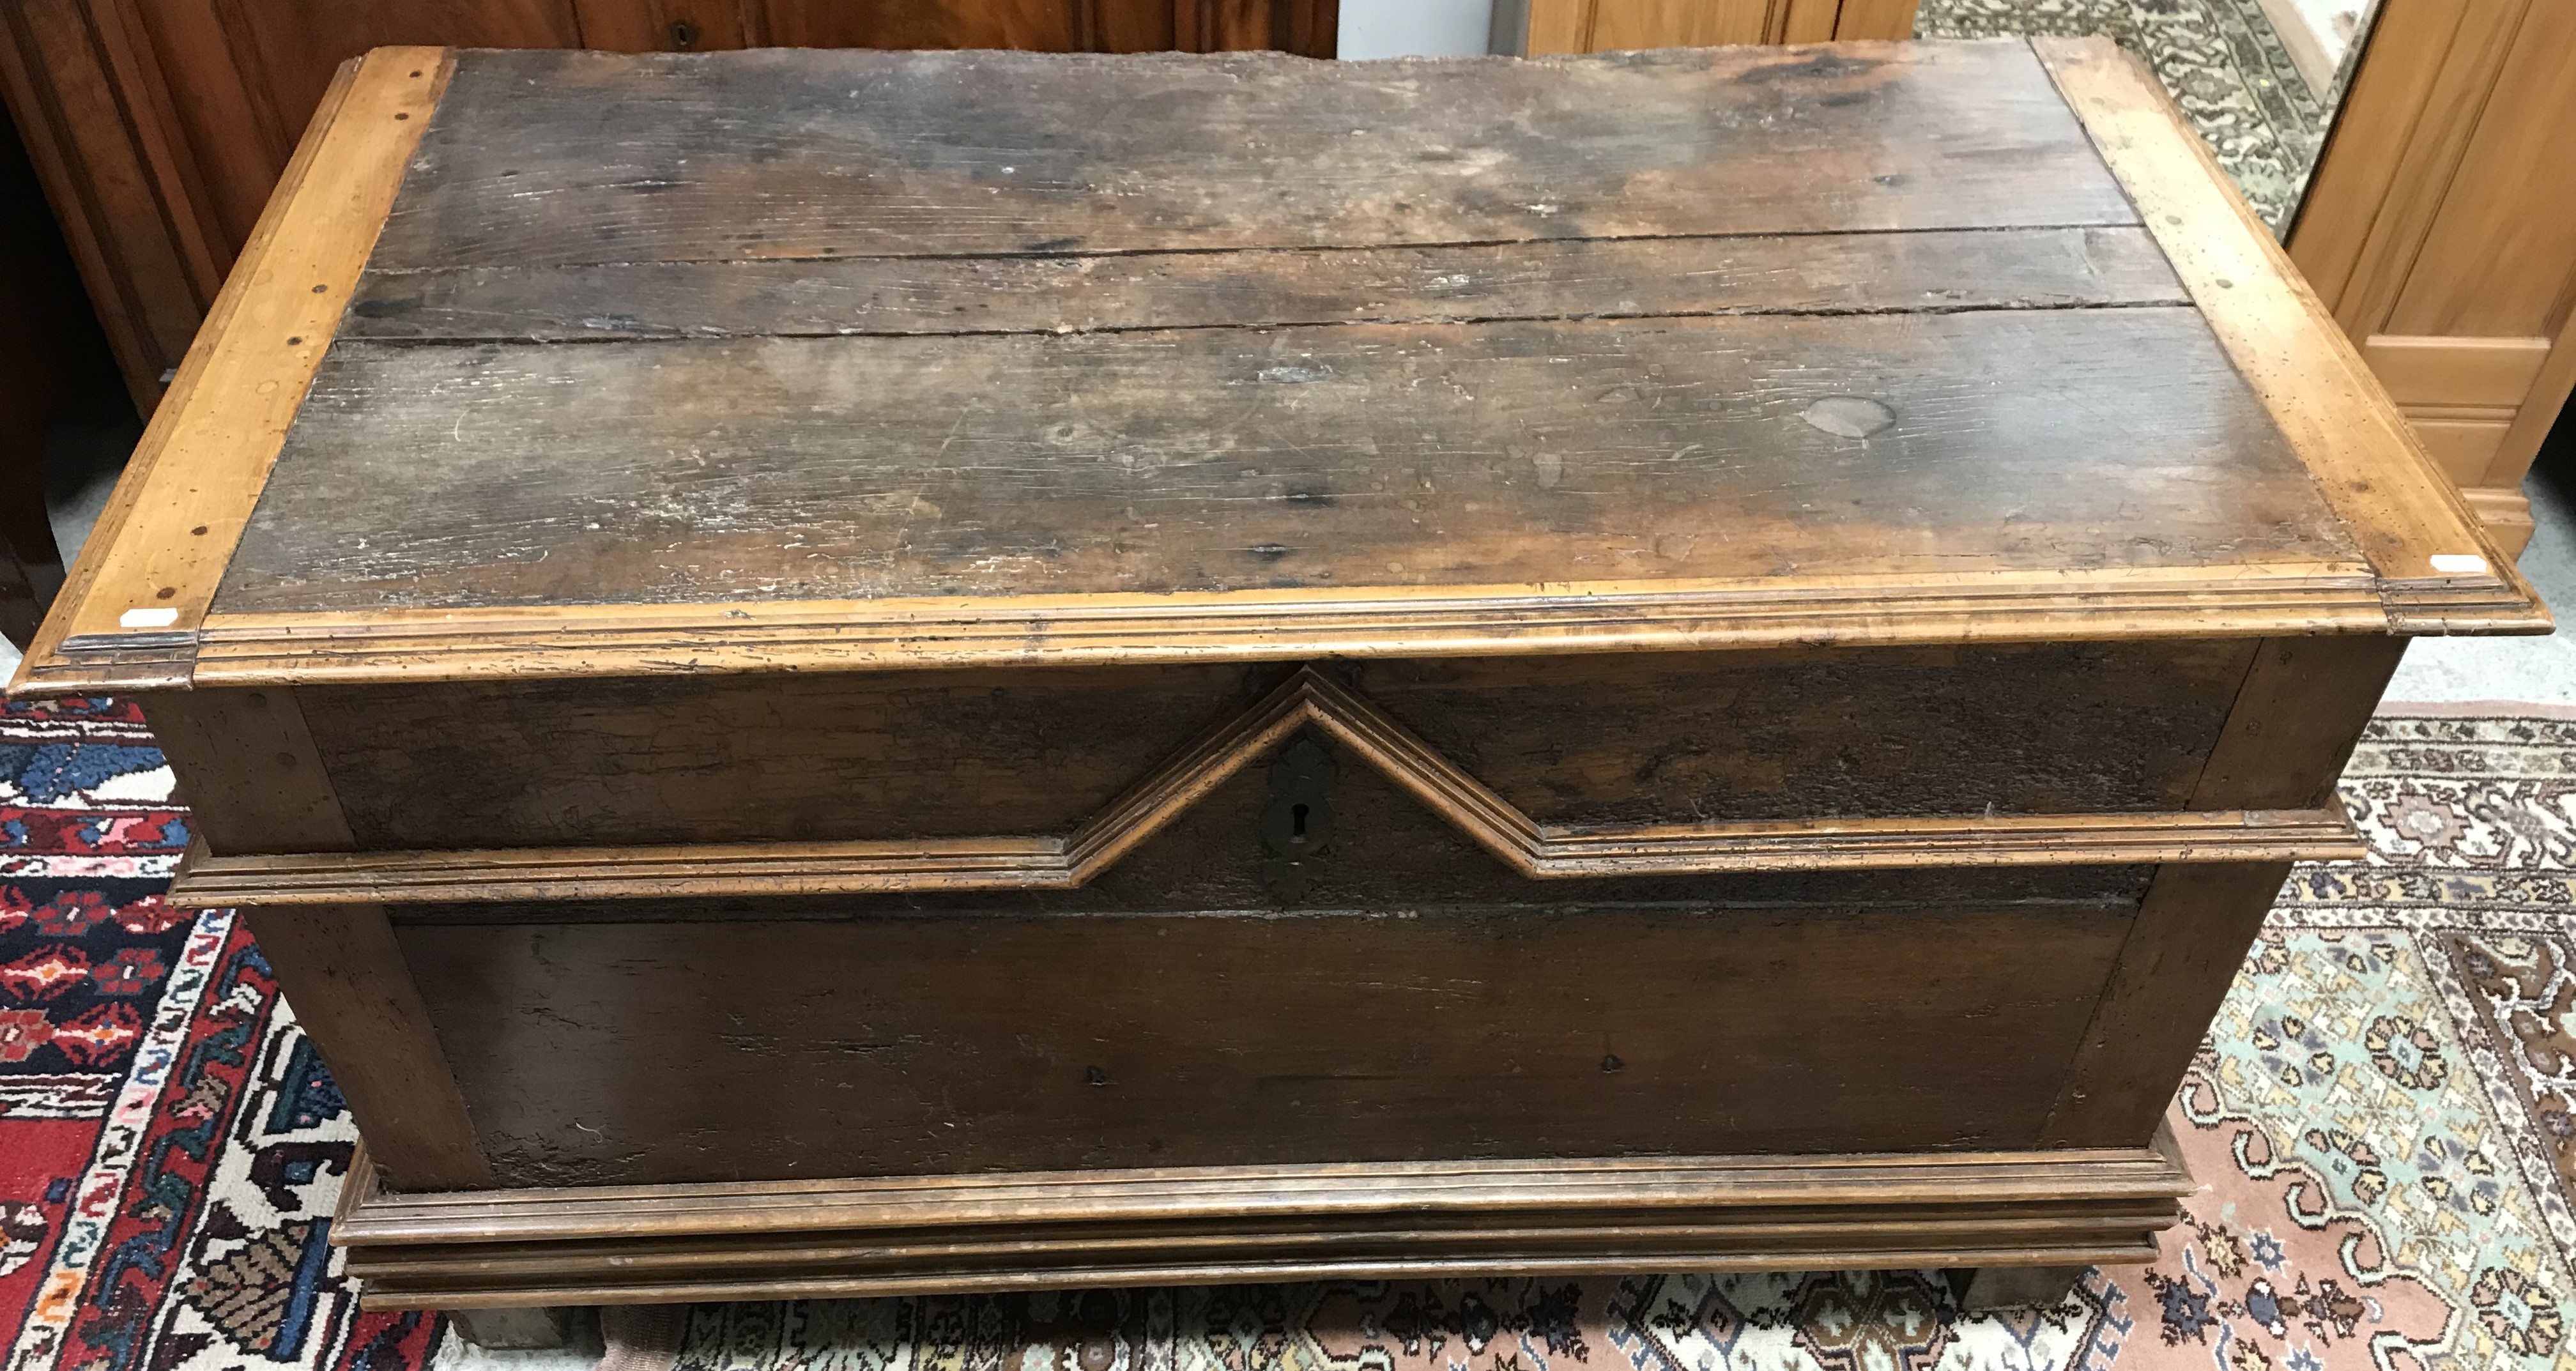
x=2464, y=442
x=2303, y=705
x=353, y=991
x=803, y=757
x=1375, y=412
x=851, y=1238
x=1157, y=558
x=1569, y=26
x=799, y=869
x=2406, y=123
x=698, y=1051
x=2435, y=215
x=1621, y=25
x=1662, y=738
x=162, y=543
x=1885, y=19
x=384, y=647
x=696, y=157
x=109, y=181
x=1417, y=456
x=2498, y=258
x=2538, y=413
x=667, y=25
x=2366, y=462
x=253, y=780
x=1927, y=272
x=1594, y=739
x=2294, y=724
x=1309, y=699
x=2190, y=937
x=2434, y=370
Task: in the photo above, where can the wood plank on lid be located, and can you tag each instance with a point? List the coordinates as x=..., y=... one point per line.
x=1332, y=458
x=802, y=153
x=1634, y=277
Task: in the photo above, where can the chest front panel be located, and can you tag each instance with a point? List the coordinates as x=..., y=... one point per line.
x=1624, y=739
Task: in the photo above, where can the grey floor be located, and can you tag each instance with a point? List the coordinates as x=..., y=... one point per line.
x=2514, y=670
x=84, y=453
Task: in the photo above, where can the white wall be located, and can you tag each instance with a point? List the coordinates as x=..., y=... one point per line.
x=1414, y=28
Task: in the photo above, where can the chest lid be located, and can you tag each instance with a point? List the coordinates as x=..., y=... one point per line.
x=569, y=363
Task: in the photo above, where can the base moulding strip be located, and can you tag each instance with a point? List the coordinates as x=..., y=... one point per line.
x=1195, y=1225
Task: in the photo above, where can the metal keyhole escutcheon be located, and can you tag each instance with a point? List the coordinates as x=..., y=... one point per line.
x=1297, y=823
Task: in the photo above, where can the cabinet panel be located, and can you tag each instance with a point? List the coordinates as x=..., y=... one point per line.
x=666, y=25
x=1620, y=24
x=2501, y=256
x=111, y=179
x=1034, y=25
x=287, y=49
x=221, y=110
x=1615, y=25
x=2440, y=228
x=1129, y=25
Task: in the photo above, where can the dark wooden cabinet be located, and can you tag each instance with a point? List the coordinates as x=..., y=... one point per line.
x=838, y=672
x=160, y=126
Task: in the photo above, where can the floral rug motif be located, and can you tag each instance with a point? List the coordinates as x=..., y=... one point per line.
x=2381, y=1122
x=2221, y=60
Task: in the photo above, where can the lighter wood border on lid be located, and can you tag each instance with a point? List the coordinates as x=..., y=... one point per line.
x=2406, y=516
x=135, y=614
x=160, y=549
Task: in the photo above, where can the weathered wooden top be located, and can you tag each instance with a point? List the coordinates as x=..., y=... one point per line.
x=557, y=362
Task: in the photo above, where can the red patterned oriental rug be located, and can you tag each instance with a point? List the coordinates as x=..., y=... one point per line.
x=2383, y=1120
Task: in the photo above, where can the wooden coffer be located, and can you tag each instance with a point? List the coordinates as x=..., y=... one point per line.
x=834, y=672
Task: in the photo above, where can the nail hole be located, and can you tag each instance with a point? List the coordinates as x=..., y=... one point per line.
x=415, y=73
x=1092, y=1075
x=1611, y=1063
x=402, y=116
x=286, y=759
x=295, y=340
x=319, y=289
x=165, y=592
x=199, y=530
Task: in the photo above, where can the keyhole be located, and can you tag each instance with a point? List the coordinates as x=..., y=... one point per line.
x=683, y=34
x=1297, y=823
